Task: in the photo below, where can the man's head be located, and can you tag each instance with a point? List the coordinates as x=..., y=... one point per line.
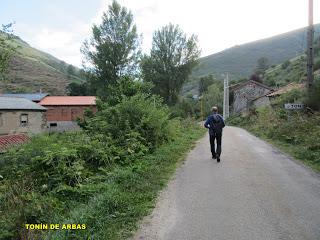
x=214, y=109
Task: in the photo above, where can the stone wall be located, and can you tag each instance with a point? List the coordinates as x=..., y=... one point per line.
x=244, y=95
x=62, y=126
x=10, y=122
x=261, y=102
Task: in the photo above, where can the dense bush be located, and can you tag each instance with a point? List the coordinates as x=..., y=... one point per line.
x=137, y=123
x=186, y=107
x=41, y=176
x=313, y=100
x=285, y=64
x=293, y=96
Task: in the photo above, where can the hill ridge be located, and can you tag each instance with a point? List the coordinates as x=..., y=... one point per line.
x=287, y=45
x=31, y=69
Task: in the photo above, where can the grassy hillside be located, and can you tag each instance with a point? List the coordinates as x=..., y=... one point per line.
x=241, y=60
x=31, y=69
x=293, y=70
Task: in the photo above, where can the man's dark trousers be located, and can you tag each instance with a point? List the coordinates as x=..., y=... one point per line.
x=215, y=137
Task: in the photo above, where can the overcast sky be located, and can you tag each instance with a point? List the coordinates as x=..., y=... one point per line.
x=59, y=27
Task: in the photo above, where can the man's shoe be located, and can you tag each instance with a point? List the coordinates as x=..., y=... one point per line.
x=214, y=156
x=218, y=159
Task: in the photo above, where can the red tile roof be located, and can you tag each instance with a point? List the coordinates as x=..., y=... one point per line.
x=68, y=100
x=7, y=141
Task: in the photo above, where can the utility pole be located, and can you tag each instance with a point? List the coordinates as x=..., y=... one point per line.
x=310, y=48
x=201, y=108
x=226, y=97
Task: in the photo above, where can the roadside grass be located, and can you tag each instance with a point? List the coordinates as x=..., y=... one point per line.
x=129, y=193
x=296, y=135
x=297, y=153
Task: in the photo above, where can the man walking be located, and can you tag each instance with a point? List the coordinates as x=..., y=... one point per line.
x=215, y=124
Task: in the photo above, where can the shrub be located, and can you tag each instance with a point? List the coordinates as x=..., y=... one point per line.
x=285, y=64
x=313, y=99
x=137, y=123
x=317, y=64
x=295, y=95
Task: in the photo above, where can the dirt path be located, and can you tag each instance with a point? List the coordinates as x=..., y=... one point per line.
x=255, y=193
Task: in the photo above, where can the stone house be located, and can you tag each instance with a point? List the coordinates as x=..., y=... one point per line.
x=63, y=111
x=261, y=101
x=246, y=92
x=20, y=115
x=266, y=99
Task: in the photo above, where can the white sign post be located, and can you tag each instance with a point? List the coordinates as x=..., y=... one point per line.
x=293, y=106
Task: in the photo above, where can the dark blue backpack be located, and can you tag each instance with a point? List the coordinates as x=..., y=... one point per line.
x=217, y=123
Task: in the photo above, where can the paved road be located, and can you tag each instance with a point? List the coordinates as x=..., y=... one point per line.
x=255, y=193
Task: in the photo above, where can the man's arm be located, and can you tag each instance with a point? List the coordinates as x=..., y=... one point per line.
x=223, y=123
x=206, y=124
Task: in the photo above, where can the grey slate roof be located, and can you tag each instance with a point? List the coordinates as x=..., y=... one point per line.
x=36, y=97
x=12, y=103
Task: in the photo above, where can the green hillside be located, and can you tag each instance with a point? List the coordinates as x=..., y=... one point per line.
x=293, y=70
x=240, y=61
x=31, y=70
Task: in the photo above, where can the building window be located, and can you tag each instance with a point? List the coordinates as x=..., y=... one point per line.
x=23, y=120
x=53, y=124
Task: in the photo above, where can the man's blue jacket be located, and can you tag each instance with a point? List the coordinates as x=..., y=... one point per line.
x=215, y=124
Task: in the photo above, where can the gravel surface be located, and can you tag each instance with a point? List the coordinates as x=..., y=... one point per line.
x=254, y=193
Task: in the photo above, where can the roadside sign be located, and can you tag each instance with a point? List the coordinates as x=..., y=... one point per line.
x=293, y=106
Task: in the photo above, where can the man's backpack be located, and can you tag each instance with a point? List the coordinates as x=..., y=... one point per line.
x=217, y=123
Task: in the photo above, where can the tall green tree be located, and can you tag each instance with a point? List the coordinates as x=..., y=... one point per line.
x=113, y=50
x=77, y=89
x=170, y=62
x=213, y=97
x=262, y=66
x=70, y=70
x=205, y=82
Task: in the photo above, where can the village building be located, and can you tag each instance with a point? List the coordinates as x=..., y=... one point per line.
x=20, y=115
x=266, y=99
x=246, y=92
x=63, y=111
x=34, y=97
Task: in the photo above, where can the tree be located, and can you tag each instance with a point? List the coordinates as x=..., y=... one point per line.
x=170, y=62
x=77, y=89
x=256, y=77
x=262, y=66
x=205, y=82
x=213, y=97
x=113, y=51
x=70, y=70
x=285, y=64
x=6, y=49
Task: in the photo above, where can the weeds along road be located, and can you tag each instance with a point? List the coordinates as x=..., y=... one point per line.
x=254, y=193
